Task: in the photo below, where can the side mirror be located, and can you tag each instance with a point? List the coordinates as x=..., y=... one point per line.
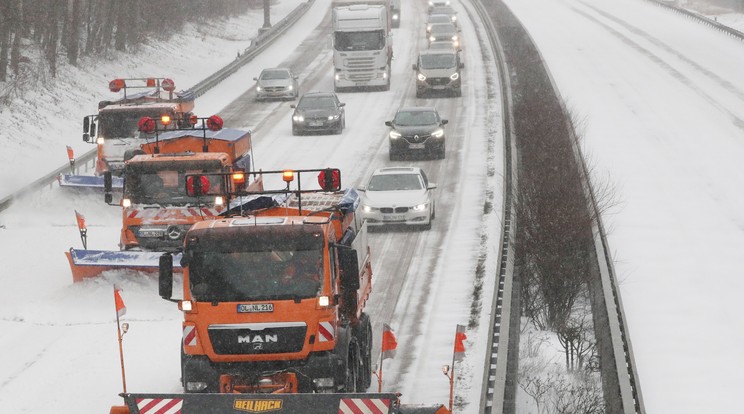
x=342, y=104
x=107, y=187
x=414, y=66
x=293, y=106
x=431, y=186
x=165, y=276
x=389, y=123
x=445, y=122
x=349, y=264
x=255, y=79
x=92, y=129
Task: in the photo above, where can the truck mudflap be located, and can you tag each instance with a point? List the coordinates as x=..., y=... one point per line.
x=88, y=182
x=384, y=403
x=91, y=263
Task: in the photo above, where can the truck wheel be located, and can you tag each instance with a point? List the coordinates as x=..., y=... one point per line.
x=366, y=376
x=352, y=369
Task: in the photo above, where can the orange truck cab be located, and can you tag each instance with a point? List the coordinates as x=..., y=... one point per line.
x=282, y=289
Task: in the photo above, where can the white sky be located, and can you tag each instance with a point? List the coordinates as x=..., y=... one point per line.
x=662, y=117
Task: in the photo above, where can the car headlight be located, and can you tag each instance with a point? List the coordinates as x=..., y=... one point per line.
x=420, y=207
x=421, y=77
x=432, y=38
x=454, y=19
x=366, y=209
x=333, y=117
x=394, y=134
x=258, y=89
x=439, y=133
x=290, y=87
x=455, y=76
x=454, y=38
x=298, y=118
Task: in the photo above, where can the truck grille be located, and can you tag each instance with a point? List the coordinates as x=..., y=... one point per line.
x=244, y=339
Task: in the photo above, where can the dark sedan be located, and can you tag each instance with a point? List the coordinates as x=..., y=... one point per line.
x=417, y=130
x=318, y=112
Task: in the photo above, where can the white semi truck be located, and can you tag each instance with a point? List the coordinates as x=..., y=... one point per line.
x=362, y=44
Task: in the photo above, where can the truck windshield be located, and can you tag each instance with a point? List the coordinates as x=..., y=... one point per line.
x=374, y=40
x=164, y=185
x=255, y=275
x=122, y=122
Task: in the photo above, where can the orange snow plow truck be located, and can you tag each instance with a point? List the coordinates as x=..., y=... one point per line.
x=114, y=128
x=276, y=296
x=157, y=208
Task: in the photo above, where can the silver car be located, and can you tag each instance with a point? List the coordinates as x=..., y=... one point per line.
x=398, y=196
x=276, y=83
x=438, y=71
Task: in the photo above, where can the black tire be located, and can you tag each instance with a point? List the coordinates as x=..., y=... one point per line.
x=441, y=152
x=295, y=131
x=352, y=369
x=394, y=156
x=419, y=94
x=363, y=335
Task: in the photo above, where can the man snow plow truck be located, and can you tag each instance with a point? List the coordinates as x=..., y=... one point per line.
x=274, y=298
x=114, y=127
x=157, y=209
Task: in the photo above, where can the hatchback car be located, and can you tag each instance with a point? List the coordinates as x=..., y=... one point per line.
x=318, y=112
x=276, y=83
x=438, y=70
x=398, y=195
x=444, y=31
x=417, y=130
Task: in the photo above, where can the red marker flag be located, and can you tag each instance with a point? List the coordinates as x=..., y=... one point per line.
x=80, y=221
x=70, y=153
x=121, y=310
x=388, y=342
x=459, y=346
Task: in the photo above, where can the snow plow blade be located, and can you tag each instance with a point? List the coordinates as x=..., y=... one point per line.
x=88, y=182
x=258, y=403
x=91, y=263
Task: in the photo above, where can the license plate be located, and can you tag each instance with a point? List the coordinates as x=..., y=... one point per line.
x=151, y=232
x=416, y=146
x=315, y=123
x=393, y=217
x=255, y=307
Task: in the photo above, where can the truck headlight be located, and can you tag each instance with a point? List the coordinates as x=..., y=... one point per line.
x=196, y=386
x=125, y=202
x=323, y=382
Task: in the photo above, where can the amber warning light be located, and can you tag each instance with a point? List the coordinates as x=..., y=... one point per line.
x=288, y=176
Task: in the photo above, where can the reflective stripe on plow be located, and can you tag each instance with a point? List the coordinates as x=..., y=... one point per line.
x=325, y=332
x=363, y=406
x=159, y=405
x=189, y=335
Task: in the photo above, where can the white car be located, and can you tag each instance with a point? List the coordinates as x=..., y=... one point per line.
x=398, y=195
x=277, y=83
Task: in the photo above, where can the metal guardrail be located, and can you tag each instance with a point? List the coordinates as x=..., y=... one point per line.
x=85, y=162
x=700, y=18
x=496, y=392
